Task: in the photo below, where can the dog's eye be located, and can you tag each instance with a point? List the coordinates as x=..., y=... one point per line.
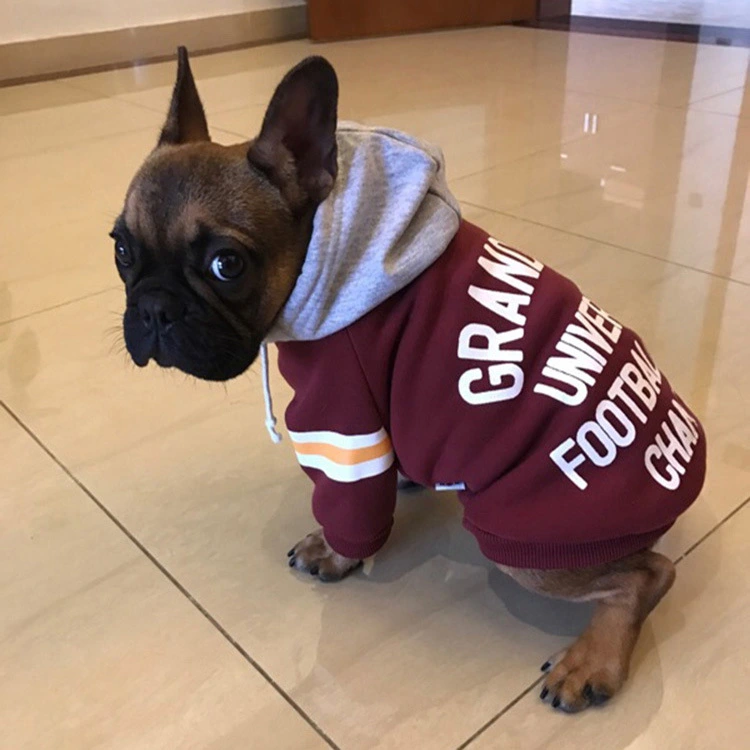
x=123, y=255
x=227, y=266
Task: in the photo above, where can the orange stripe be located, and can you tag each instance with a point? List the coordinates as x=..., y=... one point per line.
x=345, y=456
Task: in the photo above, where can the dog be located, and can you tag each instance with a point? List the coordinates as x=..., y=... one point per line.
x=415, y=343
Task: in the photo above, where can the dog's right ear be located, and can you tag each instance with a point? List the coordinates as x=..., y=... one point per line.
x=296, y=147
x=186, y=120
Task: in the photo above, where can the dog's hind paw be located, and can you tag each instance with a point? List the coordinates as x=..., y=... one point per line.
x=587, y=674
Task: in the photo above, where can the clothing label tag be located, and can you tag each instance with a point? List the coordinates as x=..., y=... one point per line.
x=449, y=487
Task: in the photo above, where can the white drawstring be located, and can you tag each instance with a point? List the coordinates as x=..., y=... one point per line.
x=270, y=418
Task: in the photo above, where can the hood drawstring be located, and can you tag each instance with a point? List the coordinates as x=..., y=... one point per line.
x=268, y=400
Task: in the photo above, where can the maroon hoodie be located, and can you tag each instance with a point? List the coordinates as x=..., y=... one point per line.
x=493, y=375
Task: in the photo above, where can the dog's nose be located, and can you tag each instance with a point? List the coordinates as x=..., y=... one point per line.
x=159, y=310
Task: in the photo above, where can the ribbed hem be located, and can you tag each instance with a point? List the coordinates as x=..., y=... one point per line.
x=551, y=556
x=356, y=550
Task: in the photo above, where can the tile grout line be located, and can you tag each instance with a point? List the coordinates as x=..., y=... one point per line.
x=42, y=310
x=173, y=580
x=703, y=99
x=631, y=250
x=536, y=682
x=120, y=98
x=57, y=148
x=154, y=110
x=710, y=532
x=502, y=713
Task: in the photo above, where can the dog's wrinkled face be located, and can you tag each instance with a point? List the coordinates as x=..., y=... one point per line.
x=211, y=238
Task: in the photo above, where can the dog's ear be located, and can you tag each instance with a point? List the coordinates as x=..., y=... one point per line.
x=186, y=120
x=300, y=126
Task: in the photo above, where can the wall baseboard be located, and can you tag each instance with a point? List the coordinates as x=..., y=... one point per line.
x=42, y=58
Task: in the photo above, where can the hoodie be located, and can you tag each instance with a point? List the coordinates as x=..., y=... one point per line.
x=416, y=342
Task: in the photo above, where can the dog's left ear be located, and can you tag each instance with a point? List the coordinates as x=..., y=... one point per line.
x=296, y=147
x=186, y=120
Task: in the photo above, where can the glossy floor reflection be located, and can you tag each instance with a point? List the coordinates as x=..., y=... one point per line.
x=146, y=516
x=701, y=12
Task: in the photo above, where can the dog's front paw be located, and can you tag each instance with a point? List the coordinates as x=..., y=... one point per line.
x=314, y=556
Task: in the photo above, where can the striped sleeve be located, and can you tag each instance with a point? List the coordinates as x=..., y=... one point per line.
x=338, y=430
x=344, y=458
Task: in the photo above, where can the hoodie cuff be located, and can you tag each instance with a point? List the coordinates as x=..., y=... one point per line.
x=356, y=550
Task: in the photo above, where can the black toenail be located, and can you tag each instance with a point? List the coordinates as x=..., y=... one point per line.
x=544, y=693
x=556, y=703
x=546, y=666
x=599, y=698
x=314, y=570
x=292, y=561
x=291, y=552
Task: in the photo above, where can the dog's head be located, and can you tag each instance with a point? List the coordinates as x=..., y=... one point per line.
x=212, y=238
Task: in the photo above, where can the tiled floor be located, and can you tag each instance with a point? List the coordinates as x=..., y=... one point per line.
x=146, y=602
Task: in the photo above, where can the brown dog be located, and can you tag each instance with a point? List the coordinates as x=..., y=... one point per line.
x=213, y=245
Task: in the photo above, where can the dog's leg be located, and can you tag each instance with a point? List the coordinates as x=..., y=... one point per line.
x=314, y=556
x=596, y=665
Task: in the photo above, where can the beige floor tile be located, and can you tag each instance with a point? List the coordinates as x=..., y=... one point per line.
x=689, y=684
x=97, y=648
x=59, y=208
x=663, y=181
x=38, y=130
x=668, y=73
x=475, y=131
x=45, y=95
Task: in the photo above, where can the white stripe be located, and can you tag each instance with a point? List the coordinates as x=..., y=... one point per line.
x=340, y=473
x=340, y=440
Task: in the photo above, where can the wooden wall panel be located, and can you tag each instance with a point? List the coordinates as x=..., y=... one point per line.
x=345, y=19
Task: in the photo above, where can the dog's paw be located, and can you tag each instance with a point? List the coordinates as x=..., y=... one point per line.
x=587, y=674
x=314, y=556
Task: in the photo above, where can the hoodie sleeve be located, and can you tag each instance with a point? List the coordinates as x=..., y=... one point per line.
x=340, y=441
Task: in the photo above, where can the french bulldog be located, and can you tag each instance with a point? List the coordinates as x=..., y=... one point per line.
x=415, y=343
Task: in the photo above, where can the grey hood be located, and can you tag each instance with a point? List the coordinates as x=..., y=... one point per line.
x=389, y=217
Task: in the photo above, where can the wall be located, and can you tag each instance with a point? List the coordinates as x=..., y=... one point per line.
x=22, y=20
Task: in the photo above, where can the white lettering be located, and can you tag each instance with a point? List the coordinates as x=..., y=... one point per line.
x=674, y=445
x=648, y=368
x=639, y=385
x=604, y=458
x=577, y=363
x=530, y=262
x=507, y=270
x=600, y=439
x=617, y=389
x=493, y=349
x=569, y=467
x=496, y=374
x=670, y=479
x=626, y=435
x=602, y=320
x=482, y=343
x=506, y=305
x=569, y=398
